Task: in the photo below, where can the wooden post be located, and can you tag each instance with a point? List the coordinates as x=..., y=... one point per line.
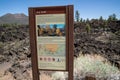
x=71, y=43
x=35, y=70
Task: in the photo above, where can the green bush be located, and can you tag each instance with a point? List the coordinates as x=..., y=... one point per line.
x=1, y=47
x=88, y=28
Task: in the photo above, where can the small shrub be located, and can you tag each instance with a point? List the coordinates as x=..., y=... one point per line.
x=88, y=28
x=1, y=47
x=92, y=64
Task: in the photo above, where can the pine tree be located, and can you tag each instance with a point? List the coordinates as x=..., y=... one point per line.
x=77, y=16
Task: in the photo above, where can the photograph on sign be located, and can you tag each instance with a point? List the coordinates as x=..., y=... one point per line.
x=51, y=41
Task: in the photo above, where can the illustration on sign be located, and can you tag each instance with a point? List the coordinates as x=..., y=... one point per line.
x=51, y=41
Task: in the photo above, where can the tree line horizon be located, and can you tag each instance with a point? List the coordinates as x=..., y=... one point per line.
x=78, y=18
x=111, y=24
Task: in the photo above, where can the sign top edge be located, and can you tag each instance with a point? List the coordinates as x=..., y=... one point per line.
x=48, y=6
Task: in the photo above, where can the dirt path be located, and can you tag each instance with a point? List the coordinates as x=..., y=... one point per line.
x=45, y=77
x=4, y=74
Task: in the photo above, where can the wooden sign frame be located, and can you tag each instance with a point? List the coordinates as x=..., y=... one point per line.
x=68, y=11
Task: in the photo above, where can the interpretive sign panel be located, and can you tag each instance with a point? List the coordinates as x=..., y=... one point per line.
x=51, y=39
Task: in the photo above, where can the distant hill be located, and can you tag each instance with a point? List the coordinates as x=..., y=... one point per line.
x=18, y=18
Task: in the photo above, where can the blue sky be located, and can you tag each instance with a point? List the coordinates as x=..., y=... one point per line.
x=87, y=8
